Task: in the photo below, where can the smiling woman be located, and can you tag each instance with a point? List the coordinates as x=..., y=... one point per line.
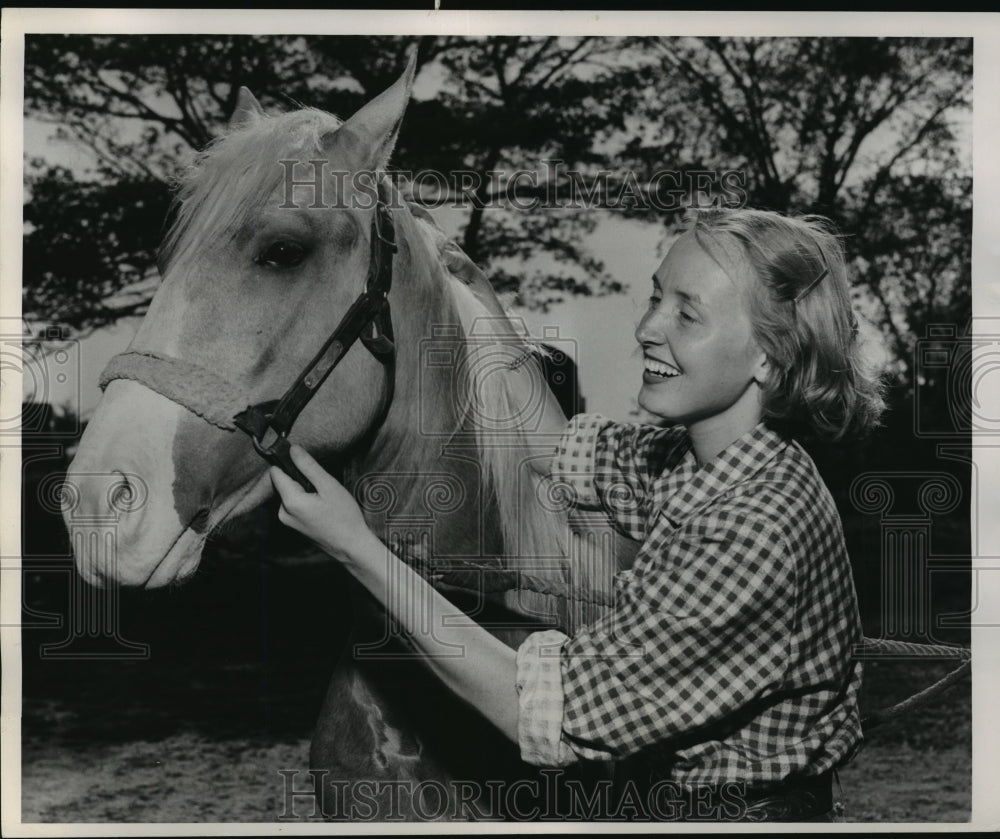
x=626, y=107
x=726, y=663
x=703, y=367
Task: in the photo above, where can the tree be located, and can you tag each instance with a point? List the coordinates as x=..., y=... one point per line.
x=863, y=130
x=142, y=105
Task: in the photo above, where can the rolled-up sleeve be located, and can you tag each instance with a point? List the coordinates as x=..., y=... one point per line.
x=540, y=703
x=610, y=465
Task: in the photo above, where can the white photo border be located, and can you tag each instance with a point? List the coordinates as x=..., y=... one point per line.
x=983, y=28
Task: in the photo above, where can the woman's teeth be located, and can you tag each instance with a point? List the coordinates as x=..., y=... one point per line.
x=659, y=368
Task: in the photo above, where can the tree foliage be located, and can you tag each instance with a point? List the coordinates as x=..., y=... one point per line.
x=142, y=105
x=865, y=130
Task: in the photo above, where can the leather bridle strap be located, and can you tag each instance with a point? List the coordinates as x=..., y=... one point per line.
x=269, y=423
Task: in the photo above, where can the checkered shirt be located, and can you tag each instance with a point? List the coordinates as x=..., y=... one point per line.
x=728, y=650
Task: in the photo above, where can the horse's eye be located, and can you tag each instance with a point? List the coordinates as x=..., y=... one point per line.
x=281, y=254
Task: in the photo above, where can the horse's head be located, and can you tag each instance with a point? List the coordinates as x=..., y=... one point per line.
x=259, y=265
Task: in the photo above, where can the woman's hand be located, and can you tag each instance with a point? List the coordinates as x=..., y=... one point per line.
x=330, y=516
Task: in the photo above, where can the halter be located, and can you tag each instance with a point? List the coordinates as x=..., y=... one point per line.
x=269, y=423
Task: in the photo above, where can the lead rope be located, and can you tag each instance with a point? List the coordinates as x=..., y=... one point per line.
x=886, y=645
x=487, y=578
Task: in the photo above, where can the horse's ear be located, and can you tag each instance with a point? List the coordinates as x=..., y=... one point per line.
x=247, y=109
x=368, y=137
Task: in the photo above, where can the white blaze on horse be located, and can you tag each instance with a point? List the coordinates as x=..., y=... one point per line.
x=255, y=280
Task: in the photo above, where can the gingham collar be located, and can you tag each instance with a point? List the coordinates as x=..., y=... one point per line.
x=686, y=488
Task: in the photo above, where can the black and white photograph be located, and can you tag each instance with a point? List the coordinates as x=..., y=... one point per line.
x=506, y=421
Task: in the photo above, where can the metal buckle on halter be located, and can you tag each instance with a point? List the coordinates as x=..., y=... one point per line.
x=380, y=341
x=256, y=421
x=384, y=222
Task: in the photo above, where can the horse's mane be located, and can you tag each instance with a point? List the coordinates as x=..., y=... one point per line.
x=204, y=198
x=530, y=532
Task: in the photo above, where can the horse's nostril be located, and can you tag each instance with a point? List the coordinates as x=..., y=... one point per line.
x=127, y=493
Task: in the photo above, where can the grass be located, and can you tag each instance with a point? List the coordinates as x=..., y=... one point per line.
x=917, y=768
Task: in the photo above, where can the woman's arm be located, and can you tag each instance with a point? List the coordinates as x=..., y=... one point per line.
x=472, y=663
x=477, y=667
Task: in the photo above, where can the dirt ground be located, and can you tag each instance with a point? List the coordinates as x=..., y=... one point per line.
x=198, y=731
x=188, y=778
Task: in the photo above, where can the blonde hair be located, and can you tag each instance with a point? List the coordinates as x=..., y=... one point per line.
x=819, y=383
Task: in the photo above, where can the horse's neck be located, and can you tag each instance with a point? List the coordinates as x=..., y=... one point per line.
x=435, y=490
x=435, y=497
x=433, y=487
x=430, y=460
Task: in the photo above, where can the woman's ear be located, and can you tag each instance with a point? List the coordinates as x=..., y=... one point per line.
x=762, y=370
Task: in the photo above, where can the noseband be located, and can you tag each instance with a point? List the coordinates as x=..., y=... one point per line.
x=269, y=423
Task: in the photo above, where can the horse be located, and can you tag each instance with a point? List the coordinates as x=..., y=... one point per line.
x=415, y=416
